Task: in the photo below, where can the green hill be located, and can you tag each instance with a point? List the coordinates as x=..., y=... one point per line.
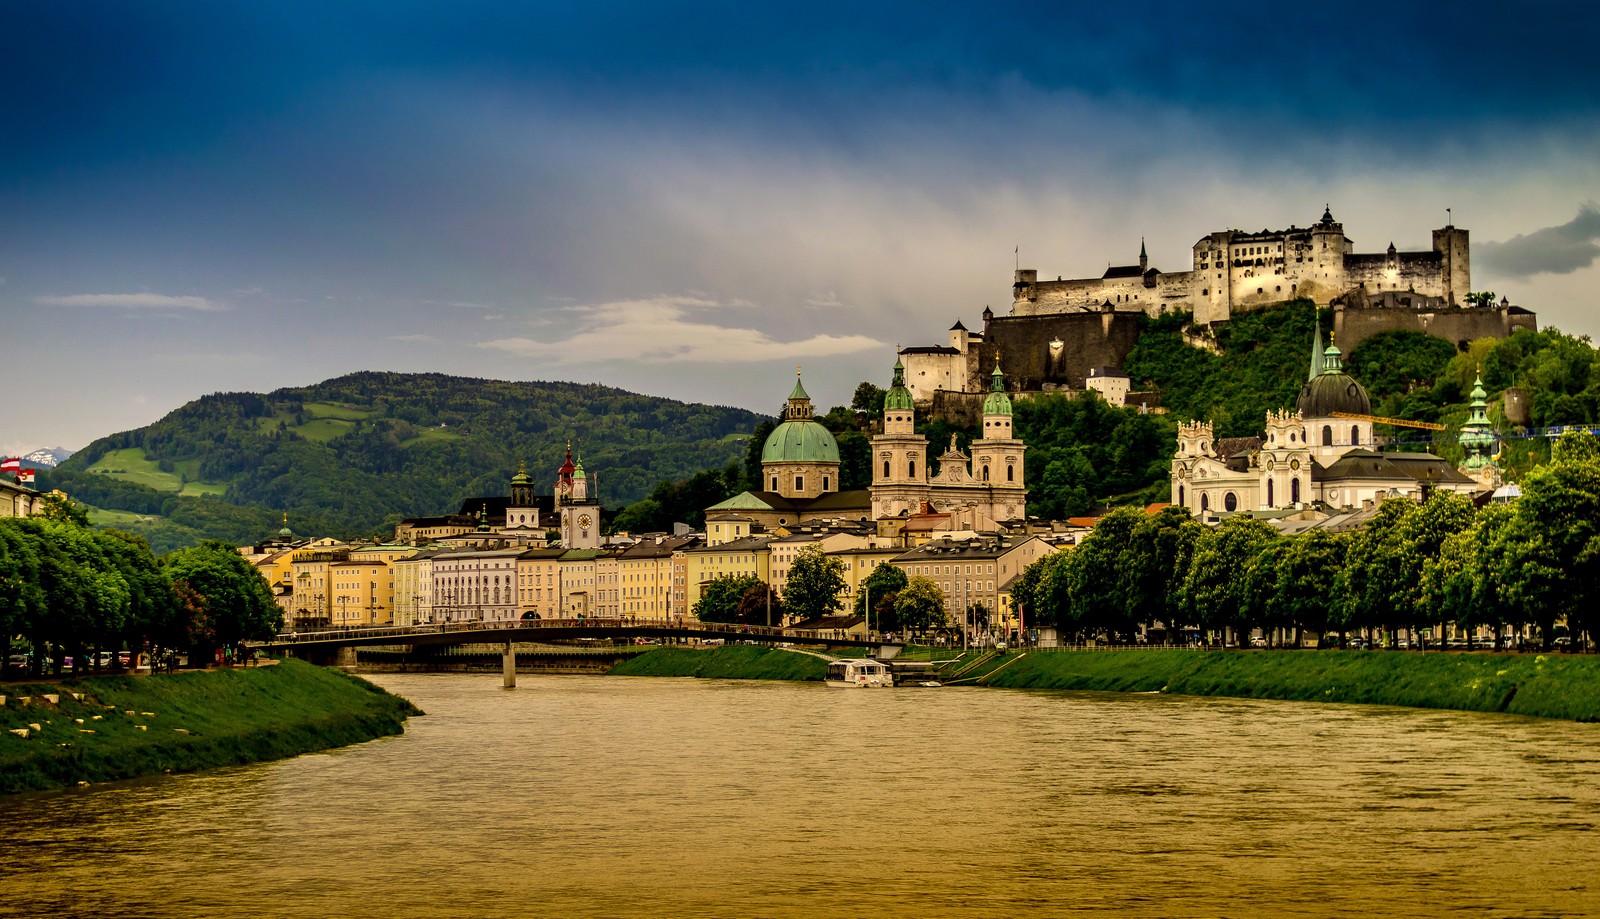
x=352, y=455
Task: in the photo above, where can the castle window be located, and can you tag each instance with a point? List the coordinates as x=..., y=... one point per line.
x=911, y=469
x=1011, y=473
x=1327, y=436
x=886, y=469
x=1355, y=435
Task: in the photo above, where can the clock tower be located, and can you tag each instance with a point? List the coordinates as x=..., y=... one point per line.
x=578, y=503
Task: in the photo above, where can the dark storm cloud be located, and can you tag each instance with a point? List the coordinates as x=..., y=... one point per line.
x=1563, y=249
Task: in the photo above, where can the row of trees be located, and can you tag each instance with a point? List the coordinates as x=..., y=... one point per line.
x=1535, y=562
x=68, y=591
x=815, y=588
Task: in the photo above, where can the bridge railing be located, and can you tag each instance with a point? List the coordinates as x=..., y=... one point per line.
x=620, y=623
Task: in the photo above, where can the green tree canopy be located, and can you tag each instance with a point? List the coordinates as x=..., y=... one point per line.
x=815, y=585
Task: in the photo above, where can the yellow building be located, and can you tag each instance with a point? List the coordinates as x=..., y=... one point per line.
x=413, y=587
x=645, y=577
x=362, y=586
x=859, y=563
x=539, y=582
x=578, y=588
x=704, y=564
x=974, y=571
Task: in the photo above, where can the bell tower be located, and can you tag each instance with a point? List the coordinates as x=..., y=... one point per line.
x=899, y=454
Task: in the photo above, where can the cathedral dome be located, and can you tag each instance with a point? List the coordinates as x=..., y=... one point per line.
x=800, y=442
x=1333, y=391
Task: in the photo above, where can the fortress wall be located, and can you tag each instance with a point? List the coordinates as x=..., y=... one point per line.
x=1354, y=325
x=1023, y=344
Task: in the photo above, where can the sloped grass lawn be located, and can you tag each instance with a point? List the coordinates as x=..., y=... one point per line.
x=129, y=726
x=1544, y=686
x=729, y=662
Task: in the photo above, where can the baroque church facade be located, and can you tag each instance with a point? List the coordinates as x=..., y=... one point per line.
x=1324, y=452
x=981, y=490
x=800, y=464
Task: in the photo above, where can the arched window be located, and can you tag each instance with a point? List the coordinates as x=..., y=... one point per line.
x=1355, y=435
x=986, y=473
x=1294, y=491
x=1181, y=502
x=1327, y=435
x=1011, y=473
x=911, y=469
x=1230, y=502
x=886, y=469
x=1269, y=493
x=1205, y=502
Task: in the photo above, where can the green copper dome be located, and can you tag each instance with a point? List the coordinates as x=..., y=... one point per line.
x=800, y=442
x=898, y=398
x=997, y=402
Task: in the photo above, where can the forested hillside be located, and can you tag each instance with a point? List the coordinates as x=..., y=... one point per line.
x=352, y=455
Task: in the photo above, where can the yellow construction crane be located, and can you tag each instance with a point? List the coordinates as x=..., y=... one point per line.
x=1396, y=422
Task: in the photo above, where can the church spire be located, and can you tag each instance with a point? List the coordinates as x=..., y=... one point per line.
x=799, y=401
x=1144, y=259
x=1316, y=347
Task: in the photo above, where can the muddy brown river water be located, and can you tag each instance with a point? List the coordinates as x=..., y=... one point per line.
x=609, y=796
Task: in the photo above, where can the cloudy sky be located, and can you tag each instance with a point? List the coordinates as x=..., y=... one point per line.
x=690, y=200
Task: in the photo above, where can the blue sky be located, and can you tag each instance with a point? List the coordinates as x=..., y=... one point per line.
x=690, y=200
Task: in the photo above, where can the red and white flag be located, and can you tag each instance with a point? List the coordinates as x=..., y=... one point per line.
x=10, y=465
x=26, y=476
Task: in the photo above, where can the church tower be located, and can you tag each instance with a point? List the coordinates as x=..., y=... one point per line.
x=522, y=511
x=997, y=455
x=578, y=505
x=899, y=454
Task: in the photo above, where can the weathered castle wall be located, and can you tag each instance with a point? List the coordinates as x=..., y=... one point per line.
x=1457, y=325
x=1053, y=351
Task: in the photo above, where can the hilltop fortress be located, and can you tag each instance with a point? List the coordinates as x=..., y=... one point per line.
x=1075, y=333
x=1234, y=270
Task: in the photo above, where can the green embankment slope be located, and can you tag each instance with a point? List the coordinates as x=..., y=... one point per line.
x=1544, y=686
x=184, y=722
x=730, y=662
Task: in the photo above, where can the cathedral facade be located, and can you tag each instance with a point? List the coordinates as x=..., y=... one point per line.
x=981, y=490
x=1324, y=452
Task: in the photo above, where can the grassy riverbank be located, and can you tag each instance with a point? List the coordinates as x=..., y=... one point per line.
x=729, y=662
x=1544, y=686
x=128, y=726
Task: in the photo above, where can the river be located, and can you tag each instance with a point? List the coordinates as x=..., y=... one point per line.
x=597, y=796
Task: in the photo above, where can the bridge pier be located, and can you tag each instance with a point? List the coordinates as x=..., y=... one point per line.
x=508, y=668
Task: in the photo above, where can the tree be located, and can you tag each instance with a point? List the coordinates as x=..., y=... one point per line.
x=1217, y=587
x=815, y=584
x=880, y=588
x=1372, y=573
x=920, y=605
x=719, y=599
x=1561, y=504
x=231, y=600
x=1483, y=298
x=1156, y=563
x=759, y=605
x=1419, y=538
x=868, y=399
x=1308, y=582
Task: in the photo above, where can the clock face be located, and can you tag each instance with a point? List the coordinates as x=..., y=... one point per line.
x=584, y=520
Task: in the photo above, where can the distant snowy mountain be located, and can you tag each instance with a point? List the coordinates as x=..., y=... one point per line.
x=47, y=456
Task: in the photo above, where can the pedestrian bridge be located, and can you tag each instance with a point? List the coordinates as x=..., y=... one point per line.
x=328, y=646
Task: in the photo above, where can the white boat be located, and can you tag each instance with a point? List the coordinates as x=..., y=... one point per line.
x=859, y=673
